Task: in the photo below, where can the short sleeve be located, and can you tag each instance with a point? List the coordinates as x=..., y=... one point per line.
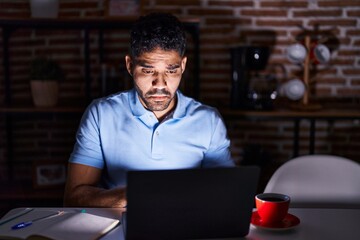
x=87, y=148
x=218, y=153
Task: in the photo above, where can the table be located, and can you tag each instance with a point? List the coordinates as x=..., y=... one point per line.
x=327, y=113
x=330, y=224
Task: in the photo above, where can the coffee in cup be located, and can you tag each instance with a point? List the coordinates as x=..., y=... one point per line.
x=272, y=207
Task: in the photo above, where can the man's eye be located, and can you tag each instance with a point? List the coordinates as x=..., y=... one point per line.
x=172, y=71
x=146, y=71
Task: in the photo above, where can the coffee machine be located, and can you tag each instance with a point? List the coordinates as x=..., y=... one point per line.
x=246, y=62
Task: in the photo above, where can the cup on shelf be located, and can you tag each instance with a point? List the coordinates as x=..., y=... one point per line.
x=272, y=207
x=294, y=89
x=320, y=54
x=296, y=53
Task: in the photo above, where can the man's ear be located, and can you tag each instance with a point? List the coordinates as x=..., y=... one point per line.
x=183, y=64
x=129, y=65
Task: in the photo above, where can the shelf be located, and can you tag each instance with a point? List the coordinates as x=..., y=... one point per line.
x=30, y=109
x=331, y=108
x=331, y=113
x=78, y=23
x=328, y=112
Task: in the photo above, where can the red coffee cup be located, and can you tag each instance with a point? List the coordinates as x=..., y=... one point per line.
x=320, y=54
x=272, y=207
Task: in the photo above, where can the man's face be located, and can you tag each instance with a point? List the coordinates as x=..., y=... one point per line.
x=157, y=76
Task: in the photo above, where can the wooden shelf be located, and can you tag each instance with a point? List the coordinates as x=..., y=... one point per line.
x=78, y=23
x=31, y=109
x=328, y=113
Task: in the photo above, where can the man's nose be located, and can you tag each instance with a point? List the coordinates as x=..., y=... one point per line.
x=159, y=81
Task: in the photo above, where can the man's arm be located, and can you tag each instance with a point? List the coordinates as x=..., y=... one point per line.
x=81, y=189
x=218, y=153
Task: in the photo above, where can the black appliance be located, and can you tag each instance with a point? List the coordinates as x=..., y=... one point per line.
x=246, y=62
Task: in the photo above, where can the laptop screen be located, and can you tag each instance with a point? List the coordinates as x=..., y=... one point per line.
x=190, y=203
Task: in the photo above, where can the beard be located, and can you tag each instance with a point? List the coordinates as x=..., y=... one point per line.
x=151, y=103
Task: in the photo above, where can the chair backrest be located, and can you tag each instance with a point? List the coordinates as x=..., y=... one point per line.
x=318, y=181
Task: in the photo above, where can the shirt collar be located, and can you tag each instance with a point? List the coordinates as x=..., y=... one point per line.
x=180, y=110
x=136, y=107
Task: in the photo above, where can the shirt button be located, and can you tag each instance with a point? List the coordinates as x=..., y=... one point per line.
x=157, y=133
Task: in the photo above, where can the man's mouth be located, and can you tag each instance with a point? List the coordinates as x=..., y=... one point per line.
x=158, y=97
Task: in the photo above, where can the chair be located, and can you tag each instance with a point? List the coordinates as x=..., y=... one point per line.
x=318, y=181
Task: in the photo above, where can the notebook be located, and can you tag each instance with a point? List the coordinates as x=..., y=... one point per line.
x=52, y=224
x=190, y=203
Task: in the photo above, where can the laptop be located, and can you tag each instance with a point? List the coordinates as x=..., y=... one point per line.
x=190, y=203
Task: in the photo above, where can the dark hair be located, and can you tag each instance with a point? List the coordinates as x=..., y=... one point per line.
x=157, y=30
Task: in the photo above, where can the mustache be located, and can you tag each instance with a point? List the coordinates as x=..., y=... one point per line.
x=163, y=92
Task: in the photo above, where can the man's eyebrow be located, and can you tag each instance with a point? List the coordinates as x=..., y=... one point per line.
x=143, y=64
x=172, y=66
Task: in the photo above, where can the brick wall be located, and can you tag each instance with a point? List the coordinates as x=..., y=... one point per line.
x=274, y=23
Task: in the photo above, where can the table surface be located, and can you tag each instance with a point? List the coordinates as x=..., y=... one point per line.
x=315, y=224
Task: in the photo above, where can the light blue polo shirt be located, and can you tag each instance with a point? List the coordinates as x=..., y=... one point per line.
x=118, y=134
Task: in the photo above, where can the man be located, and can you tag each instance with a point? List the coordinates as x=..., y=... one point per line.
x=153, y=126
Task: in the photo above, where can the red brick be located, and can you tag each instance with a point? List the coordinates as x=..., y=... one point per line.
x=334, y=22
x=322, y=91
x=318, y=13
x=59, y=51
x=350, y=53
x=341, y=62
x=342, y=41
x=263, y=13
x=14, y=15
x=77, y=5
x=211, y=50
x=175, y=11
x=227, y=21
x=284, y=4
x=216, y=30
x=353, y=32
x=278, y=23
x=210, y=12
x=178, y=3
x=351, y=71
x=326, y=72
x=353, y=13
x=69, y=14
x=337, y=3
x=355, y=82
x=330, y=80
x=94, y=14
x=14, y=5
x=348, y=92
x=239, y=3
x=357, y=43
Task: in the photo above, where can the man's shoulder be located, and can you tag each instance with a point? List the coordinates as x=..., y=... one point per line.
x=193, y=106
x=119, y=98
